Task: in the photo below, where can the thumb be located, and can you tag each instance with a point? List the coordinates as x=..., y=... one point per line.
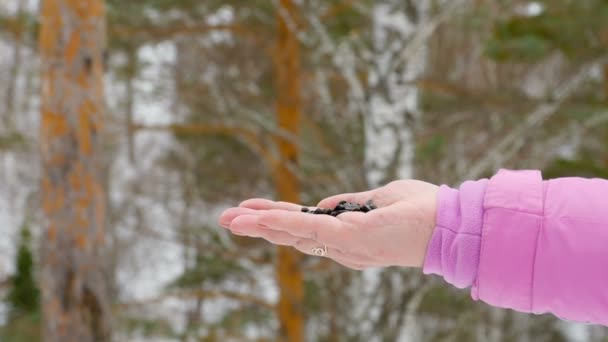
x=355, y=197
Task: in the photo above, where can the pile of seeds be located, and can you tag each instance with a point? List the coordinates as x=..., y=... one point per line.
x=342, y=207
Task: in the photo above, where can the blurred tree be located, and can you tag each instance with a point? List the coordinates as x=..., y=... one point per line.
x=287, y=73
x=494, y=84
x=72, y=48
x=23, y=298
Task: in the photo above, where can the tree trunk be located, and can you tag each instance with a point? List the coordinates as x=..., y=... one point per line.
x=287, y=69
x=132, y=66
x=75, y=299
x=11, y=90
x=393, y=103
x=389, y=147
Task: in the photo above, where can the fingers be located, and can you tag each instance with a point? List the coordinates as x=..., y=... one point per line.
x=264, y=204
x=230, y=214
x=247, y=225
x=356, y=218
x=325, y=229
x=356, y=197
x=250, y=206
x=307, y=246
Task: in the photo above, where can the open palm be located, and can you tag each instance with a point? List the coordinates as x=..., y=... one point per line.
x=395, y=234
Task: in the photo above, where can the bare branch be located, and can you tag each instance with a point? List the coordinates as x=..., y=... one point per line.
x=425, y=31
x=200, y=294
x=166, y=32
x=505, y=149
x=409, y=326
x=248, y=135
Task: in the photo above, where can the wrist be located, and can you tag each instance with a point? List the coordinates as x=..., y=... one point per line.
x=453, y=249
x=428, y=223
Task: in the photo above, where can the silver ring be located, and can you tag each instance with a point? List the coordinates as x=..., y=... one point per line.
x=320, y=251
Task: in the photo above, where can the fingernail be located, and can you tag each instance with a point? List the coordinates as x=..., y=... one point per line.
x=225, y=224
x=238, y=233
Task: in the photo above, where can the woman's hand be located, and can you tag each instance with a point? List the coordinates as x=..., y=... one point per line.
x=395, y=234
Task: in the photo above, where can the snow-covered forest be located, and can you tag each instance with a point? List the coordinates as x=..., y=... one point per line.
x=192, y=106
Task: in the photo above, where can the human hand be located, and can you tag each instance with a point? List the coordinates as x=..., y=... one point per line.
x=395, y=234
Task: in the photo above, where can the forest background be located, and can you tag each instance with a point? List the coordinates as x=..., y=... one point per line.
x=126, y=127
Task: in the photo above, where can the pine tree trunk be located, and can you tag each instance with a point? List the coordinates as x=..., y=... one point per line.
x=75, y=299
x=287, y=68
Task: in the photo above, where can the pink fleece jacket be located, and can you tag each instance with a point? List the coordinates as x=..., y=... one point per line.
x=526, y=244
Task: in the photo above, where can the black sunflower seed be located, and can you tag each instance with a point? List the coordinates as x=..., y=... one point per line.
x=341, y=208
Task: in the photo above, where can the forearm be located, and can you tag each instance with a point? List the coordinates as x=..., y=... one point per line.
x=526, y=244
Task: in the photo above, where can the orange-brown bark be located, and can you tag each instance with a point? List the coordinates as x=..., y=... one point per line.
x=287, y=69
x=72, y=42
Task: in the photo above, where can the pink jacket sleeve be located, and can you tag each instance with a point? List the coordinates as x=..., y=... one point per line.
x=526, y=244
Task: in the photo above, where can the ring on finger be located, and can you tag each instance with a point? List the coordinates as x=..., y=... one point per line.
x=319, y=251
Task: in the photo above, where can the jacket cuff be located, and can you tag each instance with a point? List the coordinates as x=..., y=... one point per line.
x=454, y=248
